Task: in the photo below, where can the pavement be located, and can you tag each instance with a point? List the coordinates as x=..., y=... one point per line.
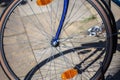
x=114, y=69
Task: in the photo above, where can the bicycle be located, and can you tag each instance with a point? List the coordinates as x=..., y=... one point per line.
x=50, y=40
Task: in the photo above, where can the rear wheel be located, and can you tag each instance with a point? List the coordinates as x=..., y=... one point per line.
x=27, y=32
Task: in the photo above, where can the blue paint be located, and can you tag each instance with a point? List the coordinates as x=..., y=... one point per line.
x=117, y=2
x=64, y=13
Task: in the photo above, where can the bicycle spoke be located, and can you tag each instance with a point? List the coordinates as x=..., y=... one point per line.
x=56, y=40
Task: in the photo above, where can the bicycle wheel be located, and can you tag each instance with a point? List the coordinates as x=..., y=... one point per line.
x=85, y=44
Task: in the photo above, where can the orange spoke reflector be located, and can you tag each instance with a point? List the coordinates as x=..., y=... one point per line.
x=69, y=74
x=43, y=2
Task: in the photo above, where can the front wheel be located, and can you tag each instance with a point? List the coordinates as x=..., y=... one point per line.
x=85, y=46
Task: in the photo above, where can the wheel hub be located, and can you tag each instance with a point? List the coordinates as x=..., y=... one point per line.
x=55, y=42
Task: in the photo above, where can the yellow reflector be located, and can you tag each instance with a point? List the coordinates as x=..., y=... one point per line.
x=43, y=2
x=69, y=74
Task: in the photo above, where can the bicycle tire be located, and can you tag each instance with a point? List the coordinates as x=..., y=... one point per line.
x=107, y=51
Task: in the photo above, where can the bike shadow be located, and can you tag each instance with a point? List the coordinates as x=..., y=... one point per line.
x=116, y=76
x=118, y=28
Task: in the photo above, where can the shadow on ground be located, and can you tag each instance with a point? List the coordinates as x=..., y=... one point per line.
x=116, y=76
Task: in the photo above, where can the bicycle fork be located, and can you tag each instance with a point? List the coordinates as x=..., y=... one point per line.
x=55, y=39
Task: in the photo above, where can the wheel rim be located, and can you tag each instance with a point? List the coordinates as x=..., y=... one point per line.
x=31, y=43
